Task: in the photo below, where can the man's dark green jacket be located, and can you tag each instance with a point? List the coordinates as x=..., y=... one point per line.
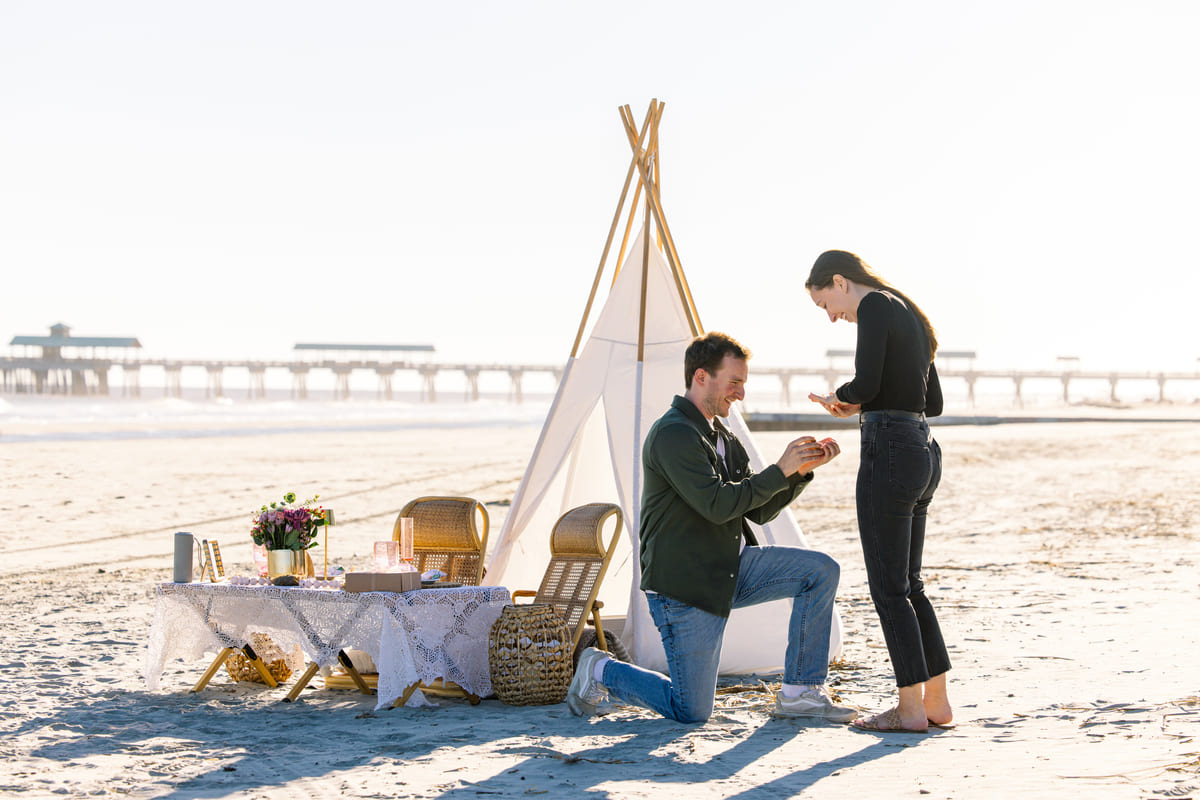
x=691, y=525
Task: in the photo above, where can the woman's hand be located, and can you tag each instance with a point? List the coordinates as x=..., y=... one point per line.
x=834, y=406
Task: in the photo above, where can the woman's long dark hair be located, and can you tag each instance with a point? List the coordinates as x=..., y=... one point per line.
x=853, y=268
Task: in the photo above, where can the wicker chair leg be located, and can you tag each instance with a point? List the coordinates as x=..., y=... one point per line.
x=599, y=630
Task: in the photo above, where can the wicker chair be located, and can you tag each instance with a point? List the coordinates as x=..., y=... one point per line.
x=578, y=562
x=446, y=537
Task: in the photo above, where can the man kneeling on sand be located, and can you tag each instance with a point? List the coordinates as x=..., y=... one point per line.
x=700, y=559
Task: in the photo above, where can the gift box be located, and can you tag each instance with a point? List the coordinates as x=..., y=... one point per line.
x=382, y=581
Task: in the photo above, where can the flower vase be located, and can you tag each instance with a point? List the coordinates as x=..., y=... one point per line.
x=285, y=562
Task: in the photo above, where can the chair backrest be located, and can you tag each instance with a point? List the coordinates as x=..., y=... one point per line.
x=579, y=559
x=446, y=536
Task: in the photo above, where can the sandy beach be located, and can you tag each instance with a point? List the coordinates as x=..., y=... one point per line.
x=1062, y=558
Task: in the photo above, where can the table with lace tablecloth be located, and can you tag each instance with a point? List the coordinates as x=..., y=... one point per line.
x=417, y=636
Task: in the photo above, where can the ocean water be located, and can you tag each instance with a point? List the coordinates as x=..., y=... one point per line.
x=34, y=418
x=153, y=414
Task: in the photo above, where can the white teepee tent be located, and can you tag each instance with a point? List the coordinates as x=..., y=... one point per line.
x=609, y=396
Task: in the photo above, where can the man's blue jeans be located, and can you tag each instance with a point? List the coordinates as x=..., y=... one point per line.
x=692, y=638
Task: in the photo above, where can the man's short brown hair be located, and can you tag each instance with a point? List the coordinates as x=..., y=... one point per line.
x=707, y=352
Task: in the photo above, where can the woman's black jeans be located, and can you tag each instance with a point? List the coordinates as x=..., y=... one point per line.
x=899, y=471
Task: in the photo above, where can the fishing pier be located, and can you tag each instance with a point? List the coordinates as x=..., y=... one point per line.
x=85, y=366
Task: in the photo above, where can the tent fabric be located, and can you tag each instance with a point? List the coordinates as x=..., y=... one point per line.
x=590, y=448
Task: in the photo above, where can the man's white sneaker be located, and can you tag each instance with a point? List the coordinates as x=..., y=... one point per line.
x=585, y=693
x=812, y=703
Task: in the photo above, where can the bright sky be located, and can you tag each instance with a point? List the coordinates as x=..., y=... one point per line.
x=229, y=178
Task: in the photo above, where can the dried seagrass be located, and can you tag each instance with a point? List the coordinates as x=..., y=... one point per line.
x=242, y=670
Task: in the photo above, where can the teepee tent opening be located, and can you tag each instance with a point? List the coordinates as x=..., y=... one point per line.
x=612, y=390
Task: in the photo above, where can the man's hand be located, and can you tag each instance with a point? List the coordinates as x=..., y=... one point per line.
x=830, y=450
x=805, y=454
x=834, y=406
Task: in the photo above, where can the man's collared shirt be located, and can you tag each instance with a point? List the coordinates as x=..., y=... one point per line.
x=694, y=502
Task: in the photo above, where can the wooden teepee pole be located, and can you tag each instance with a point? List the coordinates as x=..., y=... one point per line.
x=633, y=209
x=608, y=242
x=685, y=293
x=641, y=348
x=656, y=172
x=631, y=131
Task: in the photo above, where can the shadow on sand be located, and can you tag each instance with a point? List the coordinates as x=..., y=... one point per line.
x=239, y=738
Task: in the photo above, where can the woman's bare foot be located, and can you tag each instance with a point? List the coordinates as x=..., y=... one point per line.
x=937, y=702
x=889, y=721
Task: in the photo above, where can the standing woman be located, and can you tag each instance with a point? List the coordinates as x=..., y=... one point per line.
x=895, y=387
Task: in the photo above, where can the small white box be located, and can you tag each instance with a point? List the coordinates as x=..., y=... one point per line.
x=382, y=581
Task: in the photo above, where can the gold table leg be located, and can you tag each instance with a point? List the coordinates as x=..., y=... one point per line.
x=213, y=667
x=313, y=669
x=260, y=666
x=348, y=665
x=402, y=699
x=300, y=684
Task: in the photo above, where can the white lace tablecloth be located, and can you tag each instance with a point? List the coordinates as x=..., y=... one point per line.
x=420, y=635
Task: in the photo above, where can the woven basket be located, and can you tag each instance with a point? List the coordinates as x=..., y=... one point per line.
x=529, y=654
x=242, y=670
